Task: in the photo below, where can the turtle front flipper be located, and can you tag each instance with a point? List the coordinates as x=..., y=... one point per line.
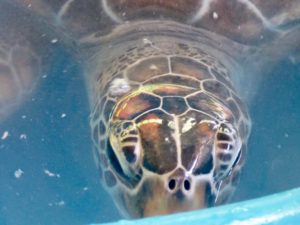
x=22, y=50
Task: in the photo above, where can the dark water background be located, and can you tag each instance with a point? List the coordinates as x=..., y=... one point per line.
x=63, y=147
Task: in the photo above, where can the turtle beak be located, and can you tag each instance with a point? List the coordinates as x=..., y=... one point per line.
x=177, y=195
x=160, y=195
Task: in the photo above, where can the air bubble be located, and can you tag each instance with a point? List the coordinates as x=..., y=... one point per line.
x=5, y=135
x=215, y=16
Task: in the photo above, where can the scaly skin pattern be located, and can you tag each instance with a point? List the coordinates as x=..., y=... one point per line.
x=168, y=128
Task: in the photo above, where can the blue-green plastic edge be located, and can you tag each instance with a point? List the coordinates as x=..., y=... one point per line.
x=281, y=208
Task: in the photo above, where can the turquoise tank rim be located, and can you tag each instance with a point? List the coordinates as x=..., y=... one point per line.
x=281, y=208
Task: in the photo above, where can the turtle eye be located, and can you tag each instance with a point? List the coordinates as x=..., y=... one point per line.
x=125, y=144
x=129, y=149
x=227, y=149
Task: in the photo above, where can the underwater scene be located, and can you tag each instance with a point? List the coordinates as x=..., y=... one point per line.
x=113, y=110
x=48, y=174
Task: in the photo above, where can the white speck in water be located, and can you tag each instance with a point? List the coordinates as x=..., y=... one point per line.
x=44, y=76
x=53, y=41
x=215, y=16
x=29, y=5
x=5, y=135
x=85, y=189
x=60, y=203
x=65, y=71
x=23, y=136
x=50, y=174
x=23, y=116
x=286, y=135
x=63, y=115
x=279, y=146
x=18, y=173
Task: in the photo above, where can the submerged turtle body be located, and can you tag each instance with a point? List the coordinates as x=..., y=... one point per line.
x=167, y=81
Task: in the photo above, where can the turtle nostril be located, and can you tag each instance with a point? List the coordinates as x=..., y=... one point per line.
x=187, y=185
x=172, y=184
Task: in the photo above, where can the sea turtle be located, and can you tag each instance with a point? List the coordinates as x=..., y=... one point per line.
x=168, y=83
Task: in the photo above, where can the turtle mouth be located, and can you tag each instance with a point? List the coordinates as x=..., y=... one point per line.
x=164, y=201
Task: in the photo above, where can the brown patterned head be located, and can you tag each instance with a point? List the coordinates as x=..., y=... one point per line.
x=171, y=152
x=169, y=130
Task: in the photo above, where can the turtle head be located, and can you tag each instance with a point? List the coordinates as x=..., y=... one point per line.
x=168, y=156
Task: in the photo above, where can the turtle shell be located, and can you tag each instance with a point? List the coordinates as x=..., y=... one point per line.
x=244, y=21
